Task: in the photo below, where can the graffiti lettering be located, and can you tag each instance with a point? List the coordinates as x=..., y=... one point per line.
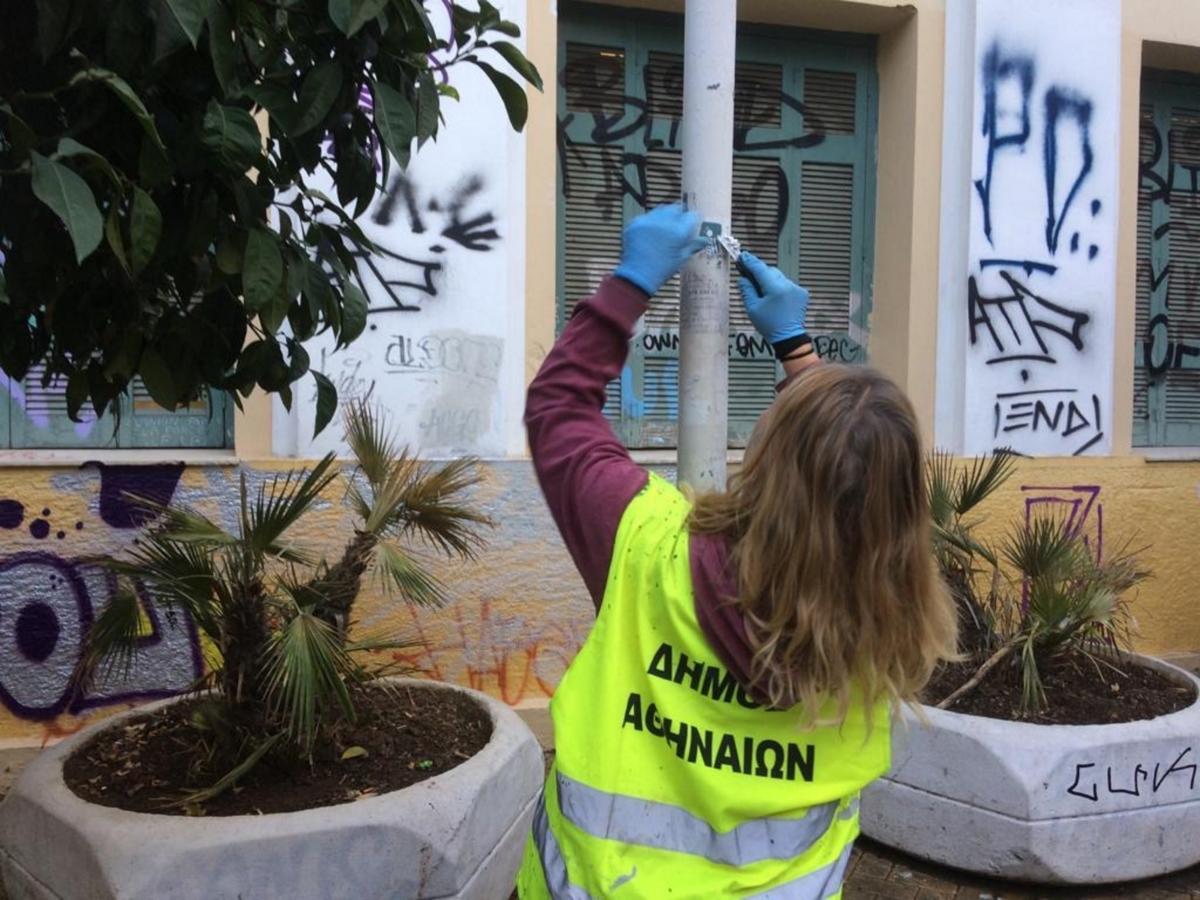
x=1136, y=782
x=1056, y=411
x=1028, y=320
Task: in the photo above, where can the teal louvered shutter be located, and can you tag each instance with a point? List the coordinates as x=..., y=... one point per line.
x=38, y=418
x=203, y=423
x=802, y=194
x=34, y=417
x=1166, y=406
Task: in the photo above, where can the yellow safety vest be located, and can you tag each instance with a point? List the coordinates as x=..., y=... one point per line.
x=669, y=781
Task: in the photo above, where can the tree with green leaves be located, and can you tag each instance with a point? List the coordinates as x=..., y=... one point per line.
x=156, y=214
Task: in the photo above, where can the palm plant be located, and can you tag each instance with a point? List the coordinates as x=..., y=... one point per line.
x=279, y=616
x=955, y=491
x=1060, y=600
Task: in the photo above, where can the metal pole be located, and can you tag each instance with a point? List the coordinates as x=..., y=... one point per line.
x=709, y=42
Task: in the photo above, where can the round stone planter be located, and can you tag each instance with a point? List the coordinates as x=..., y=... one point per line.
x=1066, y=804
x=457, y=835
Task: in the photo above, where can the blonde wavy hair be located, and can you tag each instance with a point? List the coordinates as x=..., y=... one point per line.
x=830, y=534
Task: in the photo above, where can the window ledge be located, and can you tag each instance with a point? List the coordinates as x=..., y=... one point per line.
x=1169, y=454
x=671, y=457
x=42, y=458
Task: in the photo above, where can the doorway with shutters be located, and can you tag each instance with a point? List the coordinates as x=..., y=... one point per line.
x=803, y=191
x=1166, y=375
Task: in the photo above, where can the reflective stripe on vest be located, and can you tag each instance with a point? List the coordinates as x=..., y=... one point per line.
x=667, y=827
x=554, y=867
x=818, y=885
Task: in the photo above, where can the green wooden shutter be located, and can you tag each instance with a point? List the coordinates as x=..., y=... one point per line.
x=34, y=417
x=1166, y=407
x=38, y=418
x=802, y=193
x=203, y=423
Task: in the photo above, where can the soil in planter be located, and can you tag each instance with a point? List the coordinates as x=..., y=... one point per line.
x=1076, y=694
x=409, y=735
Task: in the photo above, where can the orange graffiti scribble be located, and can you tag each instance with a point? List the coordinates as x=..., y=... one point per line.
x=511, y=673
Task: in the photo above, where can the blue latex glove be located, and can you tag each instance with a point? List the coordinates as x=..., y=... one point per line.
x=657, y=244
x=778, y=312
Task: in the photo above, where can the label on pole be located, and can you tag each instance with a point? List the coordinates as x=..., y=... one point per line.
x=710, y=230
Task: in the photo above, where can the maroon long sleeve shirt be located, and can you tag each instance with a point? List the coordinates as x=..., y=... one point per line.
x=589, y=478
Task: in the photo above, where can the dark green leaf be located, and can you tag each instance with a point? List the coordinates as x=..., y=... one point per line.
x=262, y=270
x=154, y=169
x=427, y=109
x=354, y=313
x=515, y=102
x=77, y=393
x=320, y=88
x=395, y=119
x=505, y=27
x=69, y=148
x=156, y=375
x=351, y=15
x=231, y=135
x=519, y=62
x=274, y=313
x=229, y=257
x=52, y=16
x=145, y=230
x=317, y=288
x=112, y=233
x=327, y=400
x=19, y=135
x=126, y=95
x=70, y=198
x=418, y=6
x=179, y=24
x=299, y=362
x=189, y=14
x=223, y=47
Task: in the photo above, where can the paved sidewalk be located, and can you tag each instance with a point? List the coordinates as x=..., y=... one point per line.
x=879, y=873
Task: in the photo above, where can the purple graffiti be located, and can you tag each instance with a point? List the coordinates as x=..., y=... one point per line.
x=12, y=514
x=122, y=486
x=37, y=631
x=47, y=606
x=1082, y=506
x=37, y=658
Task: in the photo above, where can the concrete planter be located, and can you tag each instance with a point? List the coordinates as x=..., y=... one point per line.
x=459, y=834
x=1069, y=804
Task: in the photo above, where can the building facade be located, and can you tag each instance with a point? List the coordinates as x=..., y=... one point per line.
x=994, y=201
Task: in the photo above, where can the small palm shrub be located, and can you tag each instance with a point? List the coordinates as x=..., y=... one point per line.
x=1042, y=596
x=278, y=616
x=967, y=564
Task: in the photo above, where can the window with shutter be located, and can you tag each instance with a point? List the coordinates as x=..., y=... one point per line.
x=1166, y=385
x=802, y=192
x=34, y=416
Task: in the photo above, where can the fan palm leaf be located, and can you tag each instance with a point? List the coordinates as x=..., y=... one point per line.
x=281, y=501
x=306, y=670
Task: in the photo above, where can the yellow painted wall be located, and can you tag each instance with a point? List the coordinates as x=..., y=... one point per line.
x=516, y=618
x=1123, y=500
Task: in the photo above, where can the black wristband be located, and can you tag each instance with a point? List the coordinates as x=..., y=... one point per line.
x=788, y=346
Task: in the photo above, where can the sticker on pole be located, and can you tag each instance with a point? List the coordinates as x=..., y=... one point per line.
x=710, y=230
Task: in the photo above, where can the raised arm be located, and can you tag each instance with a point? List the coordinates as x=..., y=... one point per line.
x=585, y=472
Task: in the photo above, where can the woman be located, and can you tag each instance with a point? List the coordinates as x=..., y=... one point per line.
x=714, y=732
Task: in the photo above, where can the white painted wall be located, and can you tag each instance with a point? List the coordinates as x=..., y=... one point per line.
x=450, y=369
x=1043, y=135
